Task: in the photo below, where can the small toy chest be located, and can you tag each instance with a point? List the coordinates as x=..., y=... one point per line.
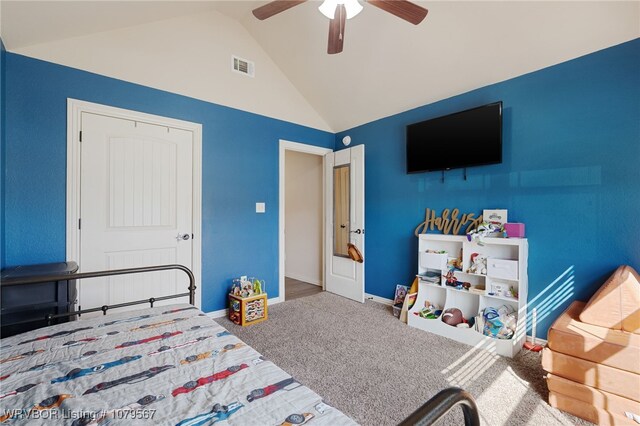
x=248, y=310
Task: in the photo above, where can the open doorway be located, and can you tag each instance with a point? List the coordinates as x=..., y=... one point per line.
x=303, y=234
x=301, y=219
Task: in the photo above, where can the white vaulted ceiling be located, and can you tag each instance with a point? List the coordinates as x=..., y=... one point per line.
x=387, y=65
x=25, y=23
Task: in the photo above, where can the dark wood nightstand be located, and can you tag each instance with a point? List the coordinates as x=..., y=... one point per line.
x=23, y=303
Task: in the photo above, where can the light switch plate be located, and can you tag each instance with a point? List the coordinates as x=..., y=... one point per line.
x=260, y=207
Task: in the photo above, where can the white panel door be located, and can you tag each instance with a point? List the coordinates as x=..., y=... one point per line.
x=135, y=208
x=344, y=213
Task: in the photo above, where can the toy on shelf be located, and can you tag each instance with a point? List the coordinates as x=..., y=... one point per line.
x=478, y=289
x=478, y=264
x=455, y=318
x=498, y=323
x=503, y=290
x=452, y=317
x=455, y=262
x=514, y=230
x=485, y=229
x=452, y=281
x=430, y=310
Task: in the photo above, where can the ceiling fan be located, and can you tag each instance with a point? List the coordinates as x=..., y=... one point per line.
x=341, y=10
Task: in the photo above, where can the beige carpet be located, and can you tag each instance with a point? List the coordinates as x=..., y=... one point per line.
x=377, y=370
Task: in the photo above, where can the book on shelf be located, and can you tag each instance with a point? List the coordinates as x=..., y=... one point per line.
x=431, y=276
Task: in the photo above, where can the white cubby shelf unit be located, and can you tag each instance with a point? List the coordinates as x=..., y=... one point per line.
x=506, y=267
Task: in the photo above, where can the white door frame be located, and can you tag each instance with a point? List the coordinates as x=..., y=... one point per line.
x=75, y=108
x=308, y=149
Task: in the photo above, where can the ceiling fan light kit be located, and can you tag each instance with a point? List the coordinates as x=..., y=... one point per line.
x=339, y=10
x=328, y=8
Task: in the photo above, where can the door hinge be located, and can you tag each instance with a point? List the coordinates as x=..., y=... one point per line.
x=80, y=135
x=79, y=223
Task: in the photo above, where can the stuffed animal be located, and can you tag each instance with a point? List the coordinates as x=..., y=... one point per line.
x=478, y=264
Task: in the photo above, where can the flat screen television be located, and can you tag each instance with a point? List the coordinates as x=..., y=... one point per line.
x=464, y=139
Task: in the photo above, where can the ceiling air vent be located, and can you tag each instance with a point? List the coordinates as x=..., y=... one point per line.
x=242, y=66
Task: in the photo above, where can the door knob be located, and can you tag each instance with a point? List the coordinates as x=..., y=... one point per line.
x=183, y=237
x=358, y=231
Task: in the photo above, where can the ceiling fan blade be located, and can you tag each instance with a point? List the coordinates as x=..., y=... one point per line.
x=336, y=30
x=403, y=9
x=274, y=7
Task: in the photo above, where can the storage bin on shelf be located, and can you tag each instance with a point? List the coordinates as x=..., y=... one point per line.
x=248, y=310
x=433, y=260
x=502, y=268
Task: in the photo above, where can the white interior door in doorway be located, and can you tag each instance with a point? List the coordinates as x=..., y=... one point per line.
x=344, y=222
x=136, y=207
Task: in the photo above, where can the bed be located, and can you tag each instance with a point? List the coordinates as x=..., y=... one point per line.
x=162, y=365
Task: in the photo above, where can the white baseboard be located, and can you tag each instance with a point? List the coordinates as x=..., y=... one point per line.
x=378, y=299
x=224, y=312
x=275, y=300
x=218, y=314
x=314, y=281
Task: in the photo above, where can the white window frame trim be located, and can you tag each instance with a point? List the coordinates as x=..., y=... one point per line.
x=75, y=108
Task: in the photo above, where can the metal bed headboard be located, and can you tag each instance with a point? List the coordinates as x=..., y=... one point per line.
x=443, y=402
x=104, y=308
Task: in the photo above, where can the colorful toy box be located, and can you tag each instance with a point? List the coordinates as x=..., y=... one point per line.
x=248, y=310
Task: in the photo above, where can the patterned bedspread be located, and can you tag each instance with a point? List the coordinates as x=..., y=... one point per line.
x=166, y=365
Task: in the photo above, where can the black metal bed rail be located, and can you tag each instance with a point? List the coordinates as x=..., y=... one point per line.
x=434, y=409
x=96, y=274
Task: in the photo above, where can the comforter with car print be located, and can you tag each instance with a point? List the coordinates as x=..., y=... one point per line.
x=168, y=365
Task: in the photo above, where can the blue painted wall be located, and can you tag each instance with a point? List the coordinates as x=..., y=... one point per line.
x=2, y=147
x=570, y=172
x=240, y=167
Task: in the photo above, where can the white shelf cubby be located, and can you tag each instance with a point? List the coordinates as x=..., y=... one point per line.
x=471, y=304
